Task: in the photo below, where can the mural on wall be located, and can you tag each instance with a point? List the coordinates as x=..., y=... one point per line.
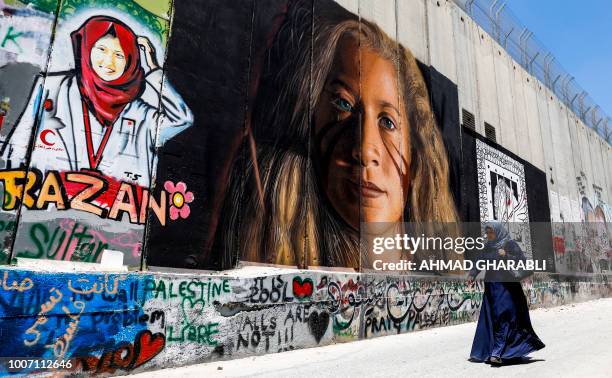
x=25, y=35
x=298, y=180
x=502, y=192
x=582, y=230
x=598, y=242
x=84, y=149
x=278, y=136
x=117, y=323
x=268, y=132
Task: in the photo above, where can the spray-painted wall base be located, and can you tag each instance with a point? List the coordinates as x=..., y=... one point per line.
x=121, y=322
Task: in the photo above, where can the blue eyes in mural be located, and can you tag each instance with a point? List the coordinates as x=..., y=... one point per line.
x=387, y=123
x=342, y=105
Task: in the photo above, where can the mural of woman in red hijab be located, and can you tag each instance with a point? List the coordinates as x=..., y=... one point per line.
x=100, y=116
x=108, y=66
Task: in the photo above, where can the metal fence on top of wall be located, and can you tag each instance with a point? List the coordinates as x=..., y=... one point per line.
x=499, y=22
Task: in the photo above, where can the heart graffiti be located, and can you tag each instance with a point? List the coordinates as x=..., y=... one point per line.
x=127, y=356
x=192, y=310
x=318, y=322
x=147, y=346
x=302, y=289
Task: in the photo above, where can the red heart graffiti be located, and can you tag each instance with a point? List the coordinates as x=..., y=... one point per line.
x=148, y=345
x=302, y=288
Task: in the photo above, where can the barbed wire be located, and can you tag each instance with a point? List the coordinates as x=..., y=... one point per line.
x=503, y=26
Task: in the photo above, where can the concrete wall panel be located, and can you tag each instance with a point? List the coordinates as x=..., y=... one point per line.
x=351, y=5
x=381, y=12
x=504, y=79
x=485, y=74
x=521, y=125
x=412, y=28
x=441, y=41
x=536, y=142
x=467, y=83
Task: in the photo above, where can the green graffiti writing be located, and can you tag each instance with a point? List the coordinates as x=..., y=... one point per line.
x=200, y=290
x=201, y=334
x=11, y=36
x=79, y=244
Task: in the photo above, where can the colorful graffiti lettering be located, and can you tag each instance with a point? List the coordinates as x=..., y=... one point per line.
x=89, y=192
x=120, y=322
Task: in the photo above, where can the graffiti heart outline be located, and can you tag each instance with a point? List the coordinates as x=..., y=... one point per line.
x=195, y=308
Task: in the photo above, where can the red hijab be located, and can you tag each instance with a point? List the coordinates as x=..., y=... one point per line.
x=106, y=99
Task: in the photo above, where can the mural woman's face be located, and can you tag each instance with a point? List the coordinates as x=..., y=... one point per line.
x=363, y=137
x=108, y=58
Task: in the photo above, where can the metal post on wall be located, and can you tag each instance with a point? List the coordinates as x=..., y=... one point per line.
x=548, y=59
x=469, y=7
x=506, y=37
x=562, y=87
x=523, y=44
x=521, y=36
x=594, y=121
x=552, y=87
x=596, y=127
x=581, y=103
x=531, y=62
x=574, y=99
x=493, y=28
x=565, y=89
x=583, y=115
x=497, y=21
x=607, y=132
x=492, y=7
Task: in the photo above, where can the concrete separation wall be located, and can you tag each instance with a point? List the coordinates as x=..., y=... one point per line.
x=225, y=149
x=122, y=322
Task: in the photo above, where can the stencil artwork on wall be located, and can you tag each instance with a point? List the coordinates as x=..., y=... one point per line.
x=502, y=194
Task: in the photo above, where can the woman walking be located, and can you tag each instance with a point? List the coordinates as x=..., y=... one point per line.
x=504, y=329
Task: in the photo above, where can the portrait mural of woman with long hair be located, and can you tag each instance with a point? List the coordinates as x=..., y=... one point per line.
x=344, y=136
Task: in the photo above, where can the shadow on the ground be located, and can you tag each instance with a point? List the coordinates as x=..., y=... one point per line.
x=517, y=361
x=509, y=361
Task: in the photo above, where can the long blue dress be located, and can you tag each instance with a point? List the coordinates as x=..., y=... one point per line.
x=504, y=328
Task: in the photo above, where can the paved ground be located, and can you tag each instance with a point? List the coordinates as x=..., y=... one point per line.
x=578, y=342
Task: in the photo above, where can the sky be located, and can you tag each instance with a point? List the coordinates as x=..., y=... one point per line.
x=579, y=34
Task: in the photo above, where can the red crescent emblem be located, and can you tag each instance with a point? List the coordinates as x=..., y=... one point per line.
x=43, y=137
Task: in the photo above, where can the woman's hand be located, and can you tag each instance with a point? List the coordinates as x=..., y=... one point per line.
x=145, y=45
x=501, y=252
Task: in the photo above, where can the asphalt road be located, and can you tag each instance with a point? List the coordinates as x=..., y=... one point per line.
x=578, y=342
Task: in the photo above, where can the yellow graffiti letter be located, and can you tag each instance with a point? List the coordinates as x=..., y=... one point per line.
x=51, y=184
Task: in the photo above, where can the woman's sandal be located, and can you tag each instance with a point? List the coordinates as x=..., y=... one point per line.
x=495, y=360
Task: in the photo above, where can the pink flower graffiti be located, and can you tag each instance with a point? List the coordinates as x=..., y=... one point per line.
x=179, y=198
